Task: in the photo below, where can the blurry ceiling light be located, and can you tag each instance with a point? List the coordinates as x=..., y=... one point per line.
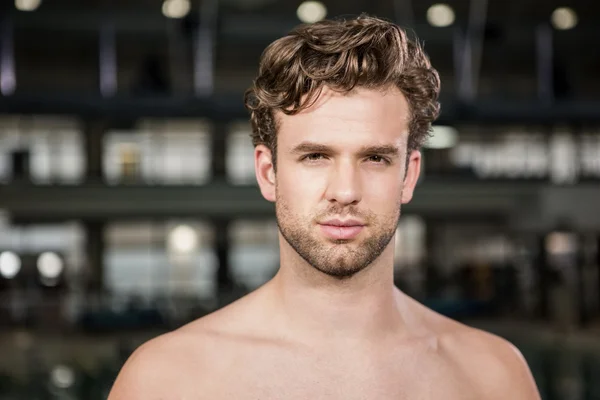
x=311, y=11
x=62, y=377
x=440, y=15
x=8, y=81
x=443, y=137
x=50, y=266
x=183, y=239
x=564, y=18
x=10, y=264
x=27, y=5
x=176, y=8
x=560, y=243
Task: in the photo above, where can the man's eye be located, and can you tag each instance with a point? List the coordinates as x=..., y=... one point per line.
x=377, y=159
x=314, y=156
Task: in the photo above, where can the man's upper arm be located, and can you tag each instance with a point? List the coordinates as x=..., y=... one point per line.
x=146, y=373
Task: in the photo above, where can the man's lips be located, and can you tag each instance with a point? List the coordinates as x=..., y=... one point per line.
x=340, y=222
x=341, y=230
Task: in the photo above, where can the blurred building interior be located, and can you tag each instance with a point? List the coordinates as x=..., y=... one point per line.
x=129, y=204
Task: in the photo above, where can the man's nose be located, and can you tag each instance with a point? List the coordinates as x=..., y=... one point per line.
x=344, y=184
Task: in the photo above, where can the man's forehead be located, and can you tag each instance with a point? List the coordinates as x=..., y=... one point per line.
x=362, y=117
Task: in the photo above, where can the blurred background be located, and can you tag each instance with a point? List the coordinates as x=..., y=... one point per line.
x=129, y=207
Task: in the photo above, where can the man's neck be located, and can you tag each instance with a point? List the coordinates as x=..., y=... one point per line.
x=318, y=308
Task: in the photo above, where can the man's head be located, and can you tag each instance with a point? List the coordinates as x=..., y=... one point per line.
x=338, y=112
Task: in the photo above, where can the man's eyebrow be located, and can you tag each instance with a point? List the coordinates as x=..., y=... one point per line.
x=311, y=147
x=384, y=150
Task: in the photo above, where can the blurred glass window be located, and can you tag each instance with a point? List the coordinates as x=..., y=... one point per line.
x=153, y=259
x=44, y=149
x=254, y=251
x=159, y=152
x=240, y=155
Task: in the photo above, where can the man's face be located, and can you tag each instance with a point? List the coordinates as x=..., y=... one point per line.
x=340, y=178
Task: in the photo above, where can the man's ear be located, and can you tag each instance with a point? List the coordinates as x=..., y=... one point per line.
x=265, y=171
x=411, y=176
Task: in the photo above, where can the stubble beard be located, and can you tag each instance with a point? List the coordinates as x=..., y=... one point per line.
x=340, y=259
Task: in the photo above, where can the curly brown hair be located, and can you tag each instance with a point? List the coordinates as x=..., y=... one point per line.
x=341, y=54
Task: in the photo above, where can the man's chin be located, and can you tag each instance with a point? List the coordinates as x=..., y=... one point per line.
x=339, y=273
x=341, y=262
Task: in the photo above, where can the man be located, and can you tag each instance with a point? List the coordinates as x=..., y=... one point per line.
x=339, y=110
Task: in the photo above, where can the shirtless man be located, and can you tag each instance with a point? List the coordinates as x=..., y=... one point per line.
x=339, y=111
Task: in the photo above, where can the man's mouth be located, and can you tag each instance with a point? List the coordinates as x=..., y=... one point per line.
x=341, y=229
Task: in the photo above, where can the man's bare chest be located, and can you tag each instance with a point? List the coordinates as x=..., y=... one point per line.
x=345, y=378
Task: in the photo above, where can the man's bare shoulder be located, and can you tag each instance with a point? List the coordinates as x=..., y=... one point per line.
x=494, y=364
x=166, y=366
x=157, y=369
